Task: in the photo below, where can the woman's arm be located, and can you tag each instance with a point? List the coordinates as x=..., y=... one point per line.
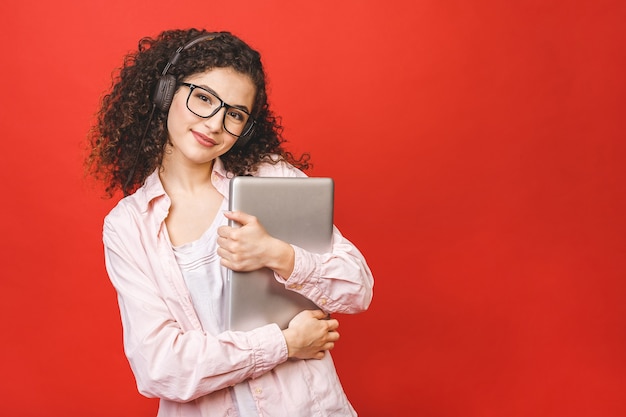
x=170, y=355
x=338, y=281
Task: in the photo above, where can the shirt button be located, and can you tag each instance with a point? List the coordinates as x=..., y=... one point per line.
x=258, y=391
x=323, y=301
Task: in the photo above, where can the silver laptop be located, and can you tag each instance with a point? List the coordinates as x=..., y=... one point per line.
x=296, y=210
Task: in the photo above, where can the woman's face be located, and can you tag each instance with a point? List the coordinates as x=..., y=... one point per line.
x=198, y=141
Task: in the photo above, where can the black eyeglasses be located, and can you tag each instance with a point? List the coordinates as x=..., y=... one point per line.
x=206, y=103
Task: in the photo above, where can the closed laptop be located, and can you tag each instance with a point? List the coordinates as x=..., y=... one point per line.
x=296, y=210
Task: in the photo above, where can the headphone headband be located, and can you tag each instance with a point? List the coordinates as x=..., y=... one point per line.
x=176, y=55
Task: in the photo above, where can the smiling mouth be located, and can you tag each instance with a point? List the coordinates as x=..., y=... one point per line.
x=204, y=139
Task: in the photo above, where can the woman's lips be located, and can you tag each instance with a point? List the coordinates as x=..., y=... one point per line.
x=204, y=139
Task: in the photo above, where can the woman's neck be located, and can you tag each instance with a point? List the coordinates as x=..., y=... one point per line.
x=177, y=177
x=195, y=202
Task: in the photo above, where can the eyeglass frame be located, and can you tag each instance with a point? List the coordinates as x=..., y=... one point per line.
x=248, y=126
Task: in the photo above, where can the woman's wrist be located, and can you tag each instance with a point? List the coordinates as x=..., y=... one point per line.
x=282, y=259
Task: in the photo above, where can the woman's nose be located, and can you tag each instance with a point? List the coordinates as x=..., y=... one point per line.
x=215, y=123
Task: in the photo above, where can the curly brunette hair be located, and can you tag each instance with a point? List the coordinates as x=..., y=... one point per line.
x=120, y=155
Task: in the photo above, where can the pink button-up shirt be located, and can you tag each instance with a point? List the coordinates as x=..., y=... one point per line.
x=190, y=370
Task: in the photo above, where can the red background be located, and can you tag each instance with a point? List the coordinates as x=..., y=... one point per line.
x=478, y=151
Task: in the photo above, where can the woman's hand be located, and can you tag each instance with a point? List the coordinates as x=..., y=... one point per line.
x=310, y=335
x=250, y=247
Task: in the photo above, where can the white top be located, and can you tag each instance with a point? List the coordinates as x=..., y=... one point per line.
x=206, y=280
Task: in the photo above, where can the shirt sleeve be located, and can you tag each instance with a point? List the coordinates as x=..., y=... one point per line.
x=338, y=282
x=170, y=357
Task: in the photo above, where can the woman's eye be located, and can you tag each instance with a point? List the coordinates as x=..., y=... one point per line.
x=204, y=97
x=236, y=115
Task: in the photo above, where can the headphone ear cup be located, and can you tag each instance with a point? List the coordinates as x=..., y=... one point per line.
x=164, y=92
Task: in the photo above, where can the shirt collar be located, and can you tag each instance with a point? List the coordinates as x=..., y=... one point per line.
x=218, y=168
x=220, y=177
x=153, y=188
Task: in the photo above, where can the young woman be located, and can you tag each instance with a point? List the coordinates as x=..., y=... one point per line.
x=187, y=113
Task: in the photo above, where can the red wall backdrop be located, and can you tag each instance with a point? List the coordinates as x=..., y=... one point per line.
x=478, y=151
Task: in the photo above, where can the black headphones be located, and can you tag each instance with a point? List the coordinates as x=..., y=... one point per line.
x=166, y=85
